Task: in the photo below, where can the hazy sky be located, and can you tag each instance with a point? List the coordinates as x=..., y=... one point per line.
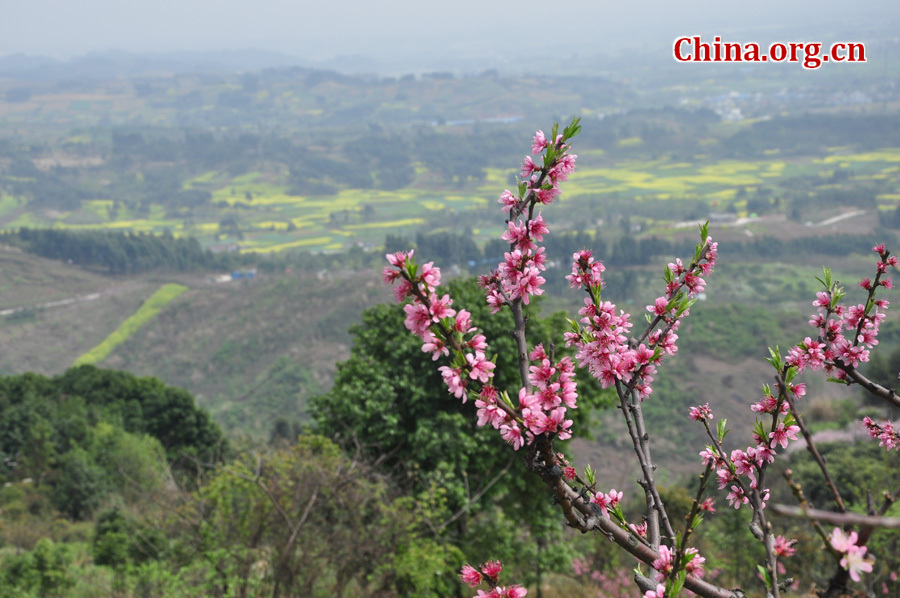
x=321, y=29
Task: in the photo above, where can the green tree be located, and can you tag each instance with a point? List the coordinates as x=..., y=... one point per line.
x=390, y=401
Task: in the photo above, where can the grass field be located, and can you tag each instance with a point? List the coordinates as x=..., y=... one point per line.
x=152, y=306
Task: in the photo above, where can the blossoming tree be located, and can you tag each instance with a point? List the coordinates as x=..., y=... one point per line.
x=626, y=358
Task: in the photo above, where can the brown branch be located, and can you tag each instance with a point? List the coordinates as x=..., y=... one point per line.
x=836, y=518
x=811, y=447
x=689, y=520
x=874, y=388
x=591, y=520
x=797, y=489
x=653, y=532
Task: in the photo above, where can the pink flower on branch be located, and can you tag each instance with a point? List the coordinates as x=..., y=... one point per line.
x=659, y=592
x=883, y=432
x=470, y=576
x=784, y=547
x=854, y=557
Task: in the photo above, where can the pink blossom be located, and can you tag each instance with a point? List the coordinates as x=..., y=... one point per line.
x=463, y=322
x=539, y=143
x=403, y=290
x=884, y=432
x=508, y=201
x=823, y=300
x=784, y=547
x=492, y=570
x=659, y=307
x=431, y=275
x=701, y=412
x=709, y=455
x=512, y=434
x=440, y=308
x=695, y=565
x=659, y=592
x=454, y=381
x=477, y=343
x=546, y=196
x=528, y=166
x=854, y=559
x=480, y=368
x=434, y=345
x=515, y=591
x=663, y=564
x=400, y=259
x=782, y=434
x=736, y=497
x=470, y=576
x=640, y=529
x=537, y=228
x=708, y=505
x=535, y=420
x=417, y=318
x=389, y=275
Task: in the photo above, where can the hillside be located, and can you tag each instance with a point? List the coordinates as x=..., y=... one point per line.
x=59, y=311
x=248, y=350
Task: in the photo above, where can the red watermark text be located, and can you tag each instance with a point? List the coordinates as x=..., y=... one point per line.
x=811, y=54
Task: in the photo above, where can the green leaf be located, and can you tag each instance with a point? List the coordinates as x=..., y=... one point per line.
x=775, y=358
x=674, y=586
x=589, y=475
x=704, y=231
x=759, y=429
x=573, y=129
x=686, y=305
x=790, y=374
x=720, y=429
x=767, y=579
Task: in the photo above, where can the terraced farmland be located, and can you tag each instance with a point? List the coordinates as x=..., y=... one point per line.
x=255, y=211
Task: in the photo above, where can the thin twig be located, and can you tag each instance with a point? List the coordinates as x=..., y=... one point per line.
x=811, y=447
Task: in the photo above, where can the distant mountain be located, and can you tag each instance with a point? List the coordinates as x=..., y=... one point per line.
x=114, y=64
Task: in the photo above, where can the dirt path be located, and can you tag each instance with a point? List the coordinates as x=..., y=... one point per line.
x=70, y=301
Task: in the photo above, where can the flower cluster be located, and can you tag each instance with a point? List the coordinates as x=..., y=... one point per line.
x=750, y=463
x=490, y=573
x=701, y=412
x=854, y=557
x=518, y=277
x=843, y=342
x=603, y=344
x=741, y=463
x=607, y=502
x=883, y=432
x=440, y=327
x=665, y=564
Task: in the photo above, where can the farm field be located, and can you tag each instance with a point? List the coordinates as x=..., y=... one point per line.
x=148, y=309
x=255, y=213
